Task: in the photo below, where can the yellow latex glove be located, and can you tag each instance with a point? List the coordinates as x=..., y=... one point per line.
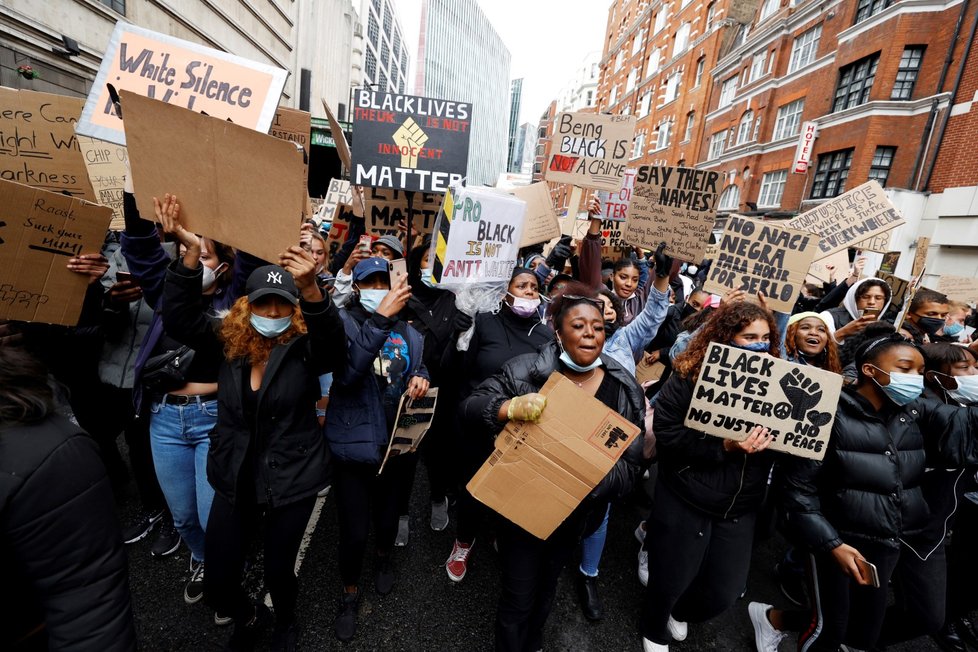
x=528, y=407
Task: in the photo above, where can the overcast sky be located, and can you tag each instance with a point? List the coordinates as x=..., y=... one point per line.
x=547, y=40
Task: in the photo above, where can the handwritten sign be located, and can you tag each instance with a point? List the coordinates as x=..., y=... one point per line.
x=179, y=72
x=879, y=242
x=411, y=424
x=406, y=142
x=39, y=232
x=386, y=207
x=106, y=164
x=613, y=239
x=339, y=229
x=898, y=286
x=959, y=288
x=250, y=200
x=38, y=146
x=542, y=224
x=851, y=217
x=823, y=270
x=340, y=192
x=673, y=205
x=737, y=390
x=590, y=150
x=614, y=204
x=295, y=126
x=920, y=255
x=479, y=232
x=758, y=256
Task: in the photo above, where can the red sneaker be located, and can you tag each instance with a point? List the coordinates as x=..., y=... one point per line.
x=458, y=561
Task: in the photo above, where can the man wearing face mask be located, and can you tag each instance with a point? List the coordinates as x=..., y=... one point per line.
x=926, y=316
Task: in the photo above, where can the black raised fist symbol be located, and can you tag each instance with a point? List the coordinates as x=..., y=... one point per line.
x=803, y=393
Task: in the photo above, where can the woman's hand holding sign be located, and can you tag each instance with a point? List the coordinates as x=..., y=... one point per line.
x=757, y=440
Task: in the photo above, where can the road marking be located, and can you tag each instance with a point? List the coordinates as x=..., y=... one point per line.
x=317, y=511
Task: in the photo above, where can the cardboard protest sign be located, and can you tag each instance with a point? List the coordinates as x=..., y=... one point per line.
x=410, y=425
x=879, y=242
x=758, y=256
x=836, y=265
x=38, y=146
x=342, y=147
x=409, y=143
x=959, y=288
x=737, y=390
x=613, y=239
x=541, y=223
x=614, y=204
x=920, y=255
x=590, y=150
x=898, y=286
x=386, y=207
x=339, y=229
x=850, y=218
x=644, y=372
x=179, y=72
x=340, y=192
x=673, y=205
x=39, y=232
x=479, y=232
x=540, y=472
x=234, y=184
x=106, y=164
x=889, y=262
x=292, y=125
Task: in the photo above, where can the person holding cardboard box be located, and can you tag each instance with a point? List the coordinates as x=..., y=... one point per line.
x=530, y=566
x=708, y=493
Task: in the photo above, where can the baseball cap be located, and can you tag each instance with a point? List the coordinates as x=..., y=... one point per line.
x=391, y=243
x=271, y=279
x=369, y=266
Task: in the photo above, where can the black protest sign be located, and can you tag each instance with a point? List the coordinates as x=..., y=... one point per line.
x=406, y=142
x=758, y=256
x=738, y=390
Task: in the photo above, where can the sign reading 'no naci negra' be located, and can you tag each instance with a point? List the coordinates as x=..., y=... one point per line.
x=409, y=143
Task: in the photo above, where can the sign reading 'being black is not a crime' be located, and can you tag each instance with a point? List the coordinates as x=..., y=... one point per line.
x=406, y=142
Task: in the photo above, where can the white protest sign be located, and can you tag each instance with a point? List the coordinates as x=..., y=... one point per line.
x=614, y=204
x=737, y=390
x=959, y=288
x=590, y=150
x=340, y=192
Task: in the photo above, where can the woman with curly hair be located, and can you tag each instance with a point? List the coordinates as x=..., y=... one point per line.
x=707, y=494
x=808, y=340
x=267, y=454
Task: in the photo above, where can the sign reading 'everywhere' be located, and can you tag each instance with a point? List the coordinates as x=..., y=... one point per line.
x=409, y=143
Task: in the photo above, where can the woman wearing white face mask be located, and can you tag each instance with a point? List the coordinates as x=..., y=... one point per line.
x=515, y=329
x=267, y=454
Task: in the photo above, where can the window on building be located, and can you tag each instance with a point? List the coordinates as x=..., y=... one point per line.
x=637, y=42
x=690, y=121
x=757, y=65
x=831, y=173
x=700, y=65
x=378, y=5
x=373, y=31
x=664, y=134
x=385, y=55
x=638, y=145
x=660, y=19
x=788, y=121
x=654, y=60
x=404, y=61
x=855, y=83
x=907, y=73
x=382, y=80
x=646, y=104
x=769, y=8
x=711, y=12
x=672, y=87
x=684, y=3
x=729, y=198
x=867, y=8
x=727, y=92
x=744, y=128
x=804, y=49
x=590, y=98
x=619, y=60
x=118, y=6
x=772, y=189
x=371, y=65
x=717, y=142
x=681, y=40
x=630, y=82
x=879, y=169
x=613, y=98
x=388, y=21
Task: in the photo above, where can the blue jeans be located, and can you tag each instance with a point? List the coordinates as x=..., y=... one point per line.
x=180, y=438
x=593, y=545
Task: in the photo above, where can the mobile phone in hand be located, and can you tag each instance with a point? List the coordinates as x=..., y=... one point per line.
x=398, y=270
x=872, y=312
x=365, y=242
x=123, y=277
x=867, y=569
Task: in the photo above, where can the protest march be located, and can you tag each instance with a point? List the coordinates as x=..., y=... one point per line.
x=217, y=356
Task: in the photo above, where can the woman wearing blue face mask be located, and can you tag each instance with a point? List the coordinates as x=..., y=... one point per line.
x=707, y=494
x=384, y=362
x=531, y=567
x=864, y=501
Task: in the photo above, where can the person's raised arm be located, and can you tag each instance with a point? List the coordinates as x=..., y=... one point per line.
x=325, y=327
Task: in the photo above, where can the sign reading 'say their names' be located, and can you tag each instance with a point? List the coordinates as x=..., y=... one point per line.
x=590, y=150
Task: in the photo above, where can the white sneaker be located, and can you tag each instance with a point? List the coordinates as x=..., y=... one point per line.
x=677, y=629
x=649, y=646
x=640, y=533
x=403, y=532
x=322, y=493
x=643, y=566
x=439, y=515
x=766, y=637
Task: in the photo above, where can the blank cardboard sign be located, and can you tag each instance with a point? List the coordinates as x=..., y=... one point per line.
x=234, y=184
x=737, y=390
x=542, y=224
x=39, y=232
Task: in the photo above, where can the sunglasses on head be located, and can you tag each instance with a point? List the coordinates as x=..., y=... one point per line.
x=598, y=303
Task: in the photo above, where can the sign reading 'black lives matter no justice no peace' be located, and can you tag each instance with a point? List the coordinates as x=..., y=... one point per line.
x=409, y=143
x=737, y=390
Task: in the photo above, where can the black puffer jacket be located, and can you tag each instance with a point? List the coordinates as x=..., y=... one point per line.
x=61, y=557
x=526, y=374
x=696, y=467
x=869, y=484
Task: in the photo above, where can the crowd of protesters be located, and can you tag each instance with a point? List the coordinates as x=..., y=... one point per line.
x=247, y=390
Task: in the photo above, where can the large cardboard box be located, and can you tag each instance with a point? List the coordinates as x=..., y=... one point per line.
x=540, y=472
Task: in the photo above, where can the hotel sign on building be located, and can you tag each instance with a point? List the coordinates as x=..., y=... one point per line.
x=806, y=142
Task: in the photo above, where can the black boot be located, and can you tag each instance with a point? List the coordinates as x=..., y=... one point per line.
x=587, y=592
x=949, y=638
x=967, y=632
x=246, y=634
x=345, y=625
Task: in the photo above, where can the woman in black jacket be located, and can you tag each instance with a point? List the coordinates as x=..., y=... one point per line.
x=65, y=584
x=708, y=491
x=864, y=501
x=530, y=567
x=267, y=453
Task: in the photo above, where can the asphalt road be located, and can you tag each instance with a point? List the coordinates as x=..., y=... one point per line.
x=426, y=611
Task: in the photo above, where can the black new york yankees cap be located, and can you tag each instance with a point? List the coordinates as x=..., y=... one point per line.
x=271, y=279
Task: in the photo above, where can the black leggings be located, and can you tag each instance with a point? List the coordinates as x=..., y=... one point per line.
x=229, y=529
x=360, y=494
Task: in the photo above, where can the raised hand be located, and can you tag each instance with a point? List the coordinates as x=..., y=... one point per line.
x=168, y=214
x=396, y=299
x=803, y=393
x=302, y=266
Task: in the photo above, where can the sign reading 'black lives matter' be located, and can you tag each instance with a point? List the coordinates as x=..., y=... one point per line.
x=409, y=143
